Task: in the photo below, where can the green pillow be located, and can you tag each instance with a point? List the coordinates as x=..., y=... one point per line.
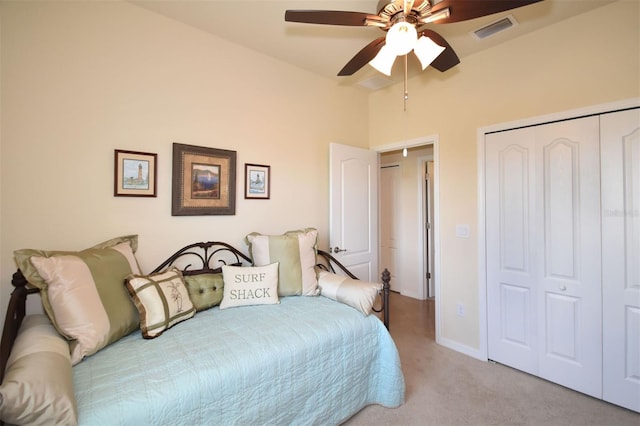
x=83, y=292
x=205, y=290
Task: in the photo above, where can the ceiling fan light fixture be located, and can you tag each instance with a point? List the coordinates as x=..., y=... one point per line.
x=427, y=51
x=401, y=38
x=383, y=61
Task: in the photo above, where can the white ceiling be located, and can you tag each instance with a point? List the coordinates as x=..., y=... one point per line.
x=324, y=49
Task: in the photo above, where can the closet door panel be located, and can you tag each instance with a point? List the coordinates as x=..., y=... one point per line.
x=568, y=236
x=620, y=141
x=511, y=278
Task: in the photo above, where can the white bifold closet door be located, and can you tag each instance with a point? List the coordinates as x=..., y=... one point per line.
x=544, y=286
x=620, y=140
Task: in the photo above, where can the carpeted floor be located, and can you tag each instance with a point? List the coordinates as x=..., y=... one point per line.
x=444, y=387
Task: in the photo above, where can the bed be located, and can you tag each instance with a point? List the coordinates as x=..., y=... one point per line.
x=305, y=359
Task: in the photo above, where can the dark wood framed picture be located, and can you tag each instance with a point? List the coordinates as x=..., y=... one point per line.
x=204, y=181
x=257, y=181
x=135, y=174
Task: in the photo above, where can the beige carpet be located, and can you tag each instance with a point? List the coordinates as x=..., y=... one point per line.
x=444, y=387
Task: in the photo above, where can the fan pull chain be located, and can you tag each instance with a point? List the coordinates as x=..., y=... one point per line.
x=406, y=91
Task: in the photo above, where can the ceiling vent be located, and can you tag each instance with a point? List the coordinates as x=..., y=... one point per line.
x=376, y=82
x=495, y=27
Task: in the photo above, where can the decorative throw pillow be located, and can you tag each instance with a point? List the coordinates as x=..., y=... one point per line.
x=205, y=290
x=355, y=293
x=162, y=300
x=296, y=253
x=83, y=292
x=38, y=383
x=250, y=285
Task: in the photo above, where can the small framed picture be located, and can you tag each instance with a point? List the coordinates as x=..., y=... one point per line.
x=135, y=174
x=257, y=181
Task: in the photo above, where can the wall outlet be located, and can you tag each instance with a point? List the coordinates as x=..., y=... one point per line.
x=460, y=309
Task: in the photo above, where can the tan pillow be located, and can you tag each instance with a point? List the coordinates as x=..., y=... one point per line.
x=83, y=292
x=355, y=293
x=162, y=300
x=38, y=384
x=295, y=251
x=249, y=285
x=205, y=290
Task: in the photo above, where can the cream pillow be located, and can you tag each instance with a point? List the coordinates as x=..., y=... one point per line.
x=83, y=292
x=295, y=251
x=249, y=285
x=355, y=293
x=38, y=383
x=162, y=300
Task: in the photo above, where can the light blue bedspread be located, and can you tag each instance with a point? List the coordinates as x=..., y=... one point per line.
x=305, y=361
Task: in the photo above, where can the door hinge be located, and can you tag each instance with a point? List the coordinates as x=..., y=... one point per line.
x=428, y=275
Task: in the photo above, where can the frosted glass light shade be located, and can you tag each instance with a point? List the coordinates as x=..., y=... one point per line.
x=401, y=38
x=384, y=60
x=427, y=51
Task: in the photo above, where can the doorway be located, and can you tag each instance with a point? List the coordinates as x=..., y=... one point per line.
x=408, y=223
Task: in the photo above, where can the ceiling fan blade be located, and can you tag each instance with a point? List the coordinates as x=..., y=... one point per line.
x=462, y=10
x=448, y=58
x=363, y=57
x=328, y=17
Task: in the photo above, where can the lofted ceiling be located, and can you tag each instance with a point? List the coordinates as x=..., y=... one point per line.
x=324, y=49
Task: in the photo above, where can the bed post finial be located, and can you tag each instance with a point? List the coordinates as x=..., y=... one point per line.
x=386, y=278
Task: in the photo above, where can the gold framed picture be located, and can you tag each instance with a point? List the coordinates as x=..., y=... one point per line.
x=204, y=181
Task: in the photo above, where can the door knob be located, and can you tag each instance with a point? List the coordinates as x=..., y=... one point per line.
x=338, y=249
x=563, y=287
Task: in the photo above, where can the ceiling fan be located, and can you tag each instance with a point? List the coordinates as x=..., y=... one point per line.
x=402, y=20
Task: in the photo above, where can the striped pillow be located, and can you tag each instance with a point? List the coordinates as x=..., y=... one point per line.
x=295, y=251
x=38, y=383
x=83, y=293
x=355, y=293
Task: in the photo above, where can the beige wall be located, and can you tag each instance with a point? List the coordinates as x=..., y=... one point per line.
x=587, y=60
x=80, y=79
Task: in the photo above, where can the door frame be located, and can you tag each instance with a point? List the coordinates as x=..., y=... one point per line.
x=482, y=131
x=411, y=143
x=422, y=220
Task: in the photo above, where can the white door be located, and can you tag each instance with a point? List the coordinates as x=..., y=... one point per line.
x=390, y=175
x=543, y=252
x=511, y=263
x=620, y=145
x=568, y=241
x=353, y=218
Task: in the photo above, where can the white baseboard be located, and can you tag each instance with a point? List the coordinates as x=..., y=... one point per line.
x=467, y=350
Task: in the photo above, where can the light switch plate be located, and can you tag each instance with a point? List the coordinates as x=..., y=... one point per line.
x=462, y=231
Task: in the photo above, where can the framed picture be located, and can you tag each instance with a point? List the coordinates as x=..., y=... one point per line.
x=135, y=174
x=204, y=181
x=257, y=181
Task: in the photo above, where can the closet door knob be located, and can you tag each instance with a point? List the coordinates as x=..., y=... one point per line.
x=563, y=287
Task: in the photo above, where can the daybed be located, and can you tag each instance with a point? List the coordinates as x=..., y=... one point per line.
x=311, y=356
